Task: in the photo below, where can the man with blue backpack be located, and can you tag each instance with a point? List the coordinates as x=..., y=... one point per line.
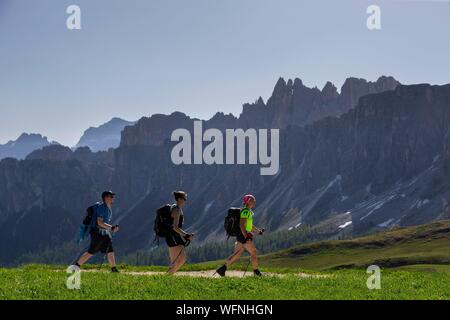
x=98, y=224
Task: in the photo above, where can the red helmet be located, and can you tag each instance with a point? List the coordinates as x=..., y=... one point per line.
x=247, y=198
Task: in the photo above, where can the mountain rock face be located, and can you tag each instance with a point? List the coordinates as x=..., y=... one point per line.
x=23, y=146
x=380, y=164
x=105, y=136
x=291, y=103
x=62, y=153
x=154, y=130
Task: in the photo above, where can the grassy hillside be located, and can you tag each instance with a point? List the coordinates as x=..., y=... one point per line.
x=43, y=282
x=425, y=244
x=414, y=261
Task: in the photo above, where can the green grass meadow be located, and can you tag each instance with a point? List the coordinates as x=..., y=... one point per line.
x=414, y=262
x=44, y=282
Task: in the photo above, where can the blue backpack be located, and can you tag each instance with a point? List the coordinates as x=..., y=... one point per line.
x=88, y=222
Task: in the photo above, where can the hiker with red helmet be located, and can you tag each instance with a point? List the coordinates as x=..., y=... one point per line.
x=245, y=237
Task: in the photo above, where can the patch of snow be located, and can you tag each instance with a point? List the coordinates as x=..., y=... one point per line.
x=342, y=226
x=290, y=228
x=336, y=179
x=208, y=206
x=343, y=198
x=379, y=205
x=421, y=203
x=298, y=225
x=386, y=223
x=411, y=182
x=414, y=205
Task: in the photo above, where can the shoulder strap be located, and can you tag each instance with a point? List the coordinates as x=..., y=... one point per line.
x=94, y=215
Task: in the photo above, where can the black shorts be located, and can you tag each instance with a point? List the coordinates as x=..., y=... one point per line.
x=100, y=243
x=175, y=240
x=240, y=238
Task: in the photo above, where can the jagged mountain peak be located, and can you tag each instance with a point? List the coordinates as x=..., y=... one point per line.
x=221, y=116
x=104, y=136
x=31, y=135
x=260, y=101
x=329, y=87
x=292, y=103
x=24, y=145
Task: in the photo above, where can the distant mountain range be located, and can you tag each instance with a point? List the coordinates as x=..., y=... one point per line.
x=371, y=157
x=105, y=136
x=99, y=138
x=24, y=145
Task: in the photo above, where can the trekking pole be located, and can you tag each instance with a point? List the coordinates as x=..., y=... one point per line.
x=187, y=243
x=173, y=262
x=246, y=268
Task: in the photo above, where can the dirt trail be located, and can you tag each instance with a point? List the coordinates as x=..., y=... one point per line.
x=212, y=274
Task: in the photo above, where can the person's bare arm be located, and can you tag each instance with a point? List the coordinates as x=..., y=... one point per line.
x=243, y=224
x=104, y=225
x=257, y=230
x=176, y=221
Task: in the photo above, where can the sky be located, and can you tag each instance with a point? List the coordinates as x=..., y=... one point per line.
x=134, y=58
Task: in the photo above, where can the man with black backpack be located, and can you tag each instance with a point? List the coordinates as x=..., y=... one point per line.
x=239, y=224
x=98, y=219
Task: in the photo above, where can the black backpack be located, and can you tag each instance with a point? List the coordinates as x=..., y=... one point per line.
x=89, y=215
x=232, y=222
x=87, y=225
x=163, y=221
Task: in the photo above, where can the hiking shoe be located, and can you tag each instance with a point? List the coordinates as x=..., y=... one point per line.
x=257, y=273
x=221, y=271
x=114, y=270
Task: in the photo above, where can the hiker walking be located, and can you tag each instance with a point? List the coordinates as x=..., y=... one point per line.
x=244, y=237
x=101, y=232
x=177, y=239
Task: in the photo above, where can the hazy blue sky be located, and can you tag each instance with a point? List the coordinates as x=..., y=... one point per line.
x=138, y=57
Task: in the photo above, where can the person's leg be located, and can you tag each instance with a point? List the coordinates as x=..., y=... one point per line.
x=94, y=247
x=111, y=259
x=108, y=248
x=181, y=260
x=251, y=249
x=177, y=258
x=238, y=251
x=84, y=258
